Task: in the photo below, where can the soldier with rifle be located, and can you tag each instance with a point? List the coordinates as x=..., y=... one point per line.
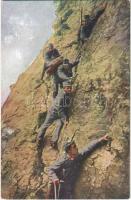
x=88, y=24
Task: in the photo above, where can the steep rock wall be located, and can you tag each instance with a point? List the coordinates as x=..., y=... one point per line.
x=101, y=105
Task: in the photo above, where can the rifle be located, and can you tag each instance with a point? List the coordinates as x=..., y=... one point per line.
x=81, y=16
x=78, y=55
x=74, y=134
x=79, y=33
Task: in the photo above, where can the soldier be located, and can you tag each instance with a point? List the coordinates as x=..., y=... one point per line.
x=59, y=112
x=50, y=55
x=88, y=24
x=64, y=71
x=64, y=172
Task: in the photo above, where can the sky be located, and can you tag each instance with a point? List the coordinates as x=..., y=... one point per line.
x=25, y=27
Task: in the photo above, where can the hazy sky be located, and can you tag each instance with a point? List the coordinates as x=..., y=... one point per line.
x=25, y=27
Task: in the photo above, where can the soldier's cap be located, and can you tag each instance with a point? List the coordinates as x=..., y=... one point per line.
x=50, y=45
x=65, y=61
x=67, y=83
x=67, y=145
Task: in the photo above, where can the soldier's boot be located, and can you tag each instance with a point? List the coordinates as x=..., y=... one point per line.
x=39, y=146
x=38, y=164
x=39, y=149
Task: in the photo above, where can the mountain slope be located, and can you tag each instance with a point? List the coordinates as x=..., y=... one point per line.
x=101, y=105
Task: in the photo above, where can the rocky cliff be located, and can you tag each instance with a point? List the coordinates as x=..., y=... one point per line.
x=101, y=105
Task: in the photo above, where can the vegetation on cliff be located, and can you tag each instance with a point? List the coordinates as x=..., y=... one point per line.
x=101, y=105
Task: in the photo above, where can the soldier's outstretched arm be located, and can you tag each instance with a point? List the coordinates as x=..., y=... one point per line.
x=55, y=168
x=93, y=145
x=74, y=63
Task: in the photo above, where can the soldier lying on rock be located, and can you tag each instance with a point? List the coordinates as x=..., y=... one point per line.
x=59, y=112
x=64, y=172
x=88, y=24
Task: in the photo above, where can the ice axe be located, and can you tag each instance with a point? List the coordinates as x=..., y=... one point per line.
x=67, y=139
x=74, y=134
x=59, y=188
x=57, y=191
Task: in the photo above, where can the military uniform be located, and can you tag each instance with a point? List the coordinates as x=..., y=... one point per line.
x=50, y=55
x=59, y=113
x=86, y=29
x=64, y=71
x=67, y=170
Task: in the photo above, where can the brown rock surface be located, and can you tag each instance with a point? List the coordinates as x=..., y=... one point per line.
x=98, y=110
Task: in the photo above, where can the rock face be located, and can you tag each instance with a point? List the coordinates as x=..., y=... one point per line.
x=101, y=105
